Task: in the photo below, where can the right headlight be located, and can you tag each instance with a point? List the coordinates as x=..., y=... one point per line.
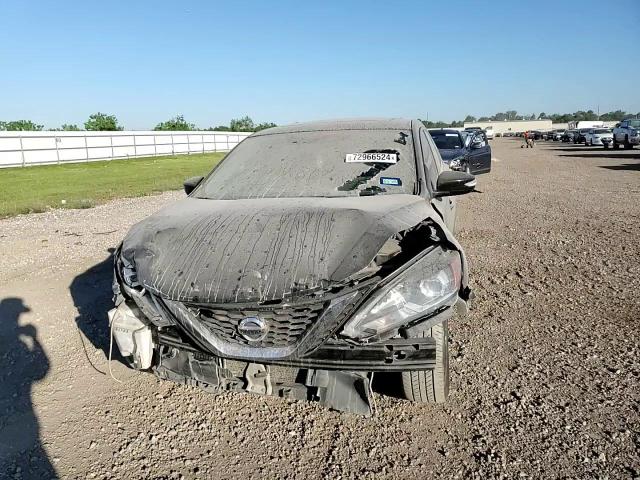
x=427, y=285
x=128, y=272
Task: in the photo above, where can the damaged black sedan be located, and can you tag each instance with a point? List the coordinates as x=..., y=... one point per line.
x=310, y=258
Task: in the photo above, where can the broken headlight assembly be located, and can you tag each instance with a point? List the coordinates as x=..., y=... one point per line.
x=431, y=283
x=456, y=163
x=128, y=272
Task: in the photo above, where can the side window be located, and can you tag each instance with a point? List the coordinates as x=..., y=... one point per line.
x=480, y=137
x=623, y=125
x=429, y=152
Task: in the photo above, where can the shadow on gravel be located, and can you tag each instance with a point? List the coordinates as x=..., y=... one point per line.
x=388, y=383
x=634, y=167
x=22, y=363
x=619, y=156
x=578, y=149
x=92, y=296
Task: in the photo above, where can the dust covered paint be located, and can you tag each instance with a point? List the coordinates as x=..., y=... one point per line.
x=256, y=250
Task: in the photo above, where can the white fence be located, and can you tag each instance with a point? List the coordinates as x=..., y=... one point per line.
x=20, y=149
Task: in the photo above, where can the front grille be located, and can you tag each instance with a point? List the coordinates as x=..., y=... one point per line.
x=286, y=326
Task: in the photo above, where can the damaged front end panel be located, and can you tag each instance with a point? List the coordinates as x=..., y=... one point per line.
x=314, y=344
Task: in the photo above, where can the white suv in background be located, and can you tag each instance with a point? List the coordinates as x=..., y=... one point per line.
x=627, y=133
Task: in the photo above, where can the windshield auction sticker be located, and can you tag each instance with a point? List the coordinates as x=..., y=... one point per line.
x=396, y=182
x=376, y=157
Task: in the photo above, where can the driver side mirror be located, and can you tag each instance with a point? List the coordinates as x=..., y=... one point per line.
x=191, y=183
x=455, y=183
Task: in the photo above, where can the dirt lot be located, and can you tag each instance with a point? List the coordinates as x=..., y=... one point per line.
x=545, y=370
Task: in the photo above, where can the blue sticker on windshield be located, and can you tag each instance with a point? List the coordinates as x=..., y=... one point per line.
x=395, y=182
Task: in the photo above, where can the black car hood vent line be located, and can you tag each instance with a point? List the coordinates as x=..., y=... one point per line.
x=257, y=250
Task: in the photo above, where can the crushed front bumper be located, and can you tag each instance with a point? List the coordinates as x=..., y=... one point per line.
x=320, y=366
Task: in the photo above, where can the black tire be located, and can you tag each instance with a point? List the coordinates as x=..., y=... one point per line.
x=627, y=145
x=430, y=386
x=616, y=145
x=606, y=146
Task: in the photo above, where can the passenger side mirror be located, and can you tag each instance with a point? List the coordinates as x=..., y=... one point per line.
x=191, y=183
x=455, y=183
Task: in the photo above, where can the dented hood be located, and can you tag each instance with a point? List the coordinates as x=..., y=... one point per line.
x=220, y=251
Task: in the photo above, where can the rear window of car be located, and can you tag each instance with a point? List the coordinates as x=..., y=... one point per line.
x=324, y=163
x=447, y=140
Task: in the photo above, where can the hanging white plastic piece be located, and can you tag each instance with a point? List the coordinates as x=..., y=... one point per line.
x=132, y=336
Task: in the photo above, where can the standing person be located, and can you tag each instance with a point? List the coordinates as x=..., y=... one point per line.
x=528, y=139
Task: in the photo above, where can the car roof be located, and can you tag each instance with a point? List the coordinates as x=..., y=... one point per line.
x=341, y=124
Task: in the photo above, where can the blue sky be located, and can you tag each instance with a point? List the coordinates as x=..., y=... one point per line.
x=294, y=60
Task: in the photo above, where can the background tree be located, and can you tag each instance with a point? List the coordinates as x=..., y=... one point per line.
x=244, y=124
x=469, y=118
x=20, y=125
x=99, y=122
x=614, y=116
x=177, y=123
x=66, y=127
x=262, y=126
x=511, y=114
x=440, y=124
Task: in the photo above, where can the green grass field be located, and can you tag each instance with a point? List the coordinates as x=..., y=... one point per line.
x=84, y=185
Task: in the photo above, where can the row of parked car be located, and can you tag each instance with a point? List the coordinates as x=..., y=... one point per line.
x=625, y=133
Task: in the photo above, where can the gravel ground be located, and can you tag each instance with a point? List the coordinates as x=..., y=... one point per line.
x=545, y=370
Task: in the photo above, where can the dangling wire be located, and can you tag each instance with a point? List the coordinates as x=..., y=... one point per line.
x=373, y=400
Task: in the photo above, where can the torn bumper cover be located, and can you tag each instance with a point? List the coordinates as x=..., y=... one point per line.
x=269, y=318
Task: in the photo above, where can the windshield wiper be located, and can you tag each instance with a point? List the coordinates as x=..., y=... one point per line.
x=373, y=190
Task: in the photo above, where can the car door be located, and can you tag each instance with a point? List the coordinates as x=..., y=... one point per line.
x=479, y=156
x=621, y=131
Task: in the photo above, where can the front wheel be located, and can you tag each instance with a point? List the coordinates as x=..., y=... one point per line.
x=430, y=386
x=606, y=146
x=627, y=145
x=616, y=145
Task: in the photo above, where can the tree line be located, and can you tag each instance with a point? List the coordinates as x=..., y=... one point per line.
x=104, y=122
x=578, y=116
